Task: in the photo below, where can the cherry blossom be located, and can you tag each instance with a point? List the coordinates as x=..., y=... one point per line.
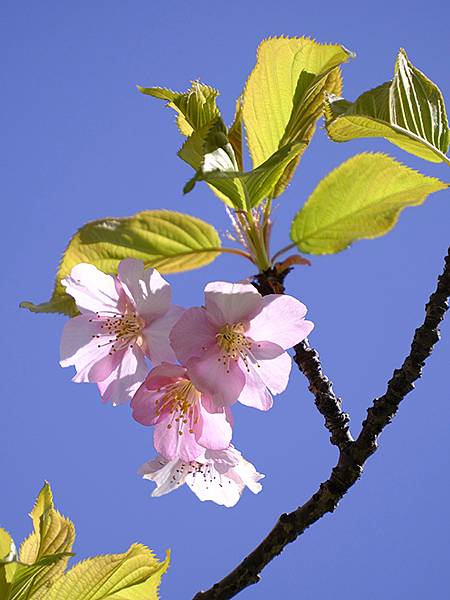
x=123, y=319
x=235, y=346
x=219, y=475
x=186, y=421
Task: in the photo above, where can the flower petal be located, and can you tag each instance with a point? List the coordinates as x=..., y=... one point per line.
x=192, y=333
x=157, y=336
x=81, y=347
x=121, y=385
x=208, y=484
x=92, y=290
x=281, y=320
x=168, y=475
x=210, y=375
x=150, y=293
x=171, y=444
x=274, y=372
x=164, y=374
x=215, y=430
x=255, y=392
x=232, y=302
x=143, y=405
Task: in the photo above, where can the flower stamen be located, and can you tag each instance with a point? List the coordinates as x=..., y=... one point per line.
x=234, y=345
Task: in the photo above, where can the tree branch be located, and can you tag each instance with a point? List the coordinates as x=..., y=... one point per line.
x=352, y=454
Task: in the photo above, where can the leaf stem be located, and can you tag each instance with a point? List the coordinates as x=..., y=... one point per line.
x=282, y=251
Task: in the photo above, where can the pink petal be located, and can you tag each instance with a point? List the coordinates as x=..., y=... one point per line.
x=210, y=375
x=92, y=290
x=164, y=374
x=79, y=348
x=232, y=302
x=150, y=293
x=255, y=392
x=143, y=405
x=192, y=333
x=281, y=320
x=171, y=444
x=274, y=372
x=121, y=385
x=157, y=336
x=215, y=430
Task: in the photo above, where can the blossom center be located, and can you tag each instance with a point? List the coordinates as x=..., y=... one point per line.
x=180, y=400
x=232, y=341
x=121, y=329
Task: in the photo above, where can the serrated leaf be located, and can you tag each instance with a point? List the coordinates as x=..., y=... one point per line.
x=362, y=198
x=235, y=135
x=284, y=95
x=134, y=575
x=247, y=190
x=7, y=546
x=408, y=111
x=195, y=108
x=168, y=240
x=50, y=544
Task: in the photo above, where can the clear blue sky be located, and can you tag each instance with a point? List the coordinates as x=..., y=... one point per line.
x=81, y=143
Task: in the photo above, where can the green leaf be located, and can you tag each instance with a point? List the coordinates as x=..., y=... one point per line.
x=247, y=190
x=7, y=564
x=284, y=95
x=195, y=108
x=168, y=240
x=134, y=575
x=408, y=111
x=50, y=544
x=360, y=199
x=235, y=135
x=7, y=547
x=199, y=119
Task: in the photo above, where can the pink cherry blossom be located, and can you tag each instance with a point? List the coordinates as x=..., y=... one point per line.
x=219, y=475
x=235, y=346
x=123, y=319
x=186, y=421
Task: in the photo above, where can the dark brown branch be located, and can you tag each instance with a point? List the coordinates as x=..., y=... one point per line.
x=352, y=455
x=329, y=405
x=307, y=359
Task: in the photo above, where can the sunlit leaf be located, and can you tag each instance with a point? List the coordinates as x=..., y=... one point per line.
x=247, y=190
x=362, y=198
x=195, y=108
x=168, y=240
x=7, y=547
x=53, y=536
x=284, y=95
x=408, y=111
x=134, y=575
x=235, y=135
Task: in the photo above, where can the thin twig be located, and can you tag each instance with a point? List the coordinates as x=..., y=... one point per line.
x=352, y=455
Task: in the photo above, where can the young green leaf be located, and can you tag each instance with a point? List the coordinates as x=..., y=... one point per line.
x=53, y=536
x=235, y=135
x=195, y=108
x=199, y=119
x=284, y=96
x=362, y=198
x=168, y=240
x=134, y=575
x=408, y=111
x=247, y=190
x=7, y=547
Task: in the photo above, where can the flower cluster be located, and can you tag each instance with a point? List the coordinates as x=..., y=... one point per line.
x=204, y=360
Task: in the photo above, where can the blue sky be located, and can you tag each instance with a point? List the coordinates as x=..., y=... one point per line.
x=81, y=143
